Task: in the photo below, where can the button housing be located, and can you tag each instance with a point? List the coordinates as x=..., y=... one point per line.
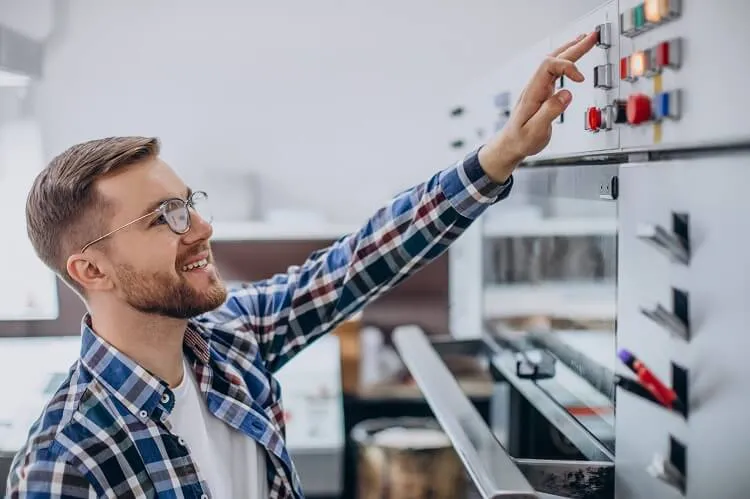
x=604, y=35
x=603, y=76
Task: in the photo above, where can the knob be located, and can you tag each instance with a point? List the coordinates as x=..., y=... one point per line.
x=638, y=109
x=593, y=119
x=620, y=111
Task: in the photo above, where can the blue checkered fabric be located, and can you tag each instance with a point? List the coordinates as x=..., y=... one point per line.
x=106, y=431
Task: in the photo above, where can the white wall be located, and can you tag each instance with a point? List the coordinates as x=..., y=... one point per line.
x=303, y=92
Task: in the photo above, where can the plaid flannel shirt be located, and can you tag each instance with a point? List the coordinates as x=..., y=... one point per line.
x=106, y=432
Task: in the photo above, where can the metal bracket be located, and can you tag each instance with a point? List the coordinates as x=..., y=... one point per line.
x=676, y=322
x=675, y=244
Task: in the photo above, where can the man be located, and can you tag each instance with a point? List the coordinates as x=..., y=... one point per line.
x=174, y=393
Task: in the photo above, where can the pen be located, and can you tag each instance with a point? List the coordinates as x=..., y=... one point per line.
x=634, y=387
x=661, y=392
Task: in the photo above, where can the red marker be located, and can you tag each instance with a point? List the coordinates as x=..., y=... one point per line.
x=663, y=394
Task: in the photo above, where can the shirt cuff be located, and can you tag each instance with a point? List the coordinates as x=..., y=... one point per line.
x=469, y=189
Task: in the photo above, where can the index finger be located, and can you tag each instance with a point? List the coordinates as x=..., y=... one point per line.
x=578, y=50
x=567, y=45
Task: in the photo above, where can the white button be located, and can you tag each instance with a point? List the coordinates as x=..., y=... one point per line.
x=204, y=496
x=181, y=441
x=165, y=398
x=143, y=414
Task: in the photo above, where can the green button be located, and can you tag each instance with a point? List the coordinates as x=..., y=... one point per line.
x=639, y=15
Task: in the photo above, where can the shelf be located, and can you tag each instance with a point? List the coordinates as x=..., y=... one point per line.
x=589, y=300
x=536, y=226
x=265, y=231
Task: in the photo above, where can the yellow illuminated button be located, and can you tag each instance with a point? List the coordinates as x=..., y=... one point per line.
x=653, y=10
x=638, y=64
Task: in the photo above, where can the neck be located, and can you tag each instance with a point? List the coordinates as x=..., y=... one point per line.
x=154, y=342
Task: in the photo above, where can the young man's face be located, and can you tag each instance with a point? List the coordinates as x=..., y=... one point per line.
x=147, y=262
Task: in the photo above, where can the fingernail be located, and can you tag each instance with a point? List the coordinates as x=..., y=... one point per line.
x=581, y=37
x=564, y=98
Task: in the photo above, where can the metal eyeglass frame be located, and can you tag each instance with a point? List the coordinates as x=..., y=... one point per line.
x=186, y=205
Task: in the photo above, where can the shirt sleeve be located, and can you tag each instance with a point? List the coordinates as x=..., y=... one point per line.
x=288, y=311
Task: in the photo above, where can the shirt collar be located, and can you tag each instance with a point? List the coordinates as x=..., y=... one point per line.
x=140, y=391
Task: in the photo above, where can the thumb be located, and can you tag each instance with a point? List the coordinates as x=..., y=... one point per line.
x=551, y=109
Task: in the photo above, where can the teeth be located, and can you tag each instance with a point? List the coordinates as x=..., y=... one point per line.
x=196, y=265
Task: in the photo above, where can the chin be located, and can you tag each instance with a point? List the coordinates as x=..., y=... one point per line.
x=179, y=300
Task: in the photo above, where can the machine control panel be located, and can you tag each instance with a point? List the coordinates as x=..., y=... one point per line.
x=655, y=78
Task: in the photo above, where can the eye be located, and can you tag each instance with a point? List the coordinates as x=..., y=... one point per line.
x=160, y=220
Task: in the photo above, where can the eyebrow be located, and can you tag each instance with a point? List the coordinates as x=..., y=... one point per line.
x=153, y=206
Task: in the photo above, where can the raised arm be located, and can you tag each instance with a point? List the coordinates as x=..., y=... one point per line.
x=288, y=311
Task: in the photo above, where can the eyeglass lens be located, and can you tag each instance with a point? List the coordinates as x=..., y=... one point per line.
x=177, y=215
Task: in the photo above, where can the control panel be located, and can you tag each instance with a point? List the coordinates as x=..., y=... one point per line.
x=664, y=74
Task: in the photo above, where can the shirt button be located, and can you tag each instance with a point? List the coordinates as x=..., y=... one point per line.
x=181, y=441
x=204, y=496
x=165, y=398
x=143, y=414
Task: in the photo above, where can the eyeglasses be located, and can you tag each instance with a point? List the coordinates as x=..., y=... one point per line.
x=174, y=212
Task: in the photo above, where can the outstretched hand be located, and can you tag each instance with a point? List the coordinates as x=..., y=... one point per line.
x=529, y=128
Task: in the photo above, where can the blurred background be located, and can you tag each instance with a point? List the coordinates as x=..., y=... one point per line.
x=299, y=119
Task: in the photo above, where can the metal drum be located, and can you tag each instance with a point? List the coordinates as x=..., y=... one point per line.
x=407, y=458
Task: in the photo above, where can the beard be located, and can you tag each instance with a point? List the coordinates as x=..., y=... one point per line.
x=164, y=294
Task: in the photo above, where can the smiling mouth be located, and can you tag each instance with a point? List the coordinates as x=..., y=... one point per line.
x=200, y=264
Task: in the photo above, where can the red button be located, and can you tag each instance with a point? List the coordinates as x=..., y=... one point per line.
x=662, y=54
x=594, y=118
x=624, y=68
x=638, y=109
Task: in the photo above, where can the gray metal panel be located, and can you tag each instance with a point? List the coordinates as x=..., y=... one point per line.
x=20, y=54
x=321, y=471
x=713, y=192
x=5, y=462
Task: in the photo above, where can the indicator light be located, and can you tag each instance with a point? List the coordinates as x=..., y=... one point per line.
x=653, y=10
x=638, y=64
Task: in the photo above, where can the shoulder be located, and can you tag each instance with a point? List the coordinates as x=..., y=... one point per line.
x=43, y=459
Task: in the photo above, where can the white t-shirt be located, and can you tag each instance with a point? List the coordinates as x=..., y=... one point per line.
x=232, y=463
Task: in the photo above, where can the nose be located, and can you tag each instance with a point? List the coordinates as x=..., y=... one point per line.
x=200, y=229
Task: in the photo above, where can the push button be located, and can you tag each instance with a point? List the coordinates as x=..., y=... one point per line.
x=625, y=73
x=669, y=9
x=604, y=35
x=668, y=54
x=593, y=119
x=667, y=105
x=619, y=111
x=638, y=109
x=639, y=17
x=627, y=24
x=603, y=76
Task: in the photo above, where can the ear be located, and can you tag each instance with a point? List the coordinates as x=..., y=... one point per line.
x=88, y=273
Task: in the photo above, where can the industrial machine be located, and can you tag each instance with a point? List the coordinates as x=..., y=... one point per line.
x=608, y=294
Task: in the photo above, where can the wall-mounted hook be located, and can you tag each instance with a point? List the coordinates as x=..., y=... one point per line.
x=671, y=471
x=676, y=244
x=677, y=321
